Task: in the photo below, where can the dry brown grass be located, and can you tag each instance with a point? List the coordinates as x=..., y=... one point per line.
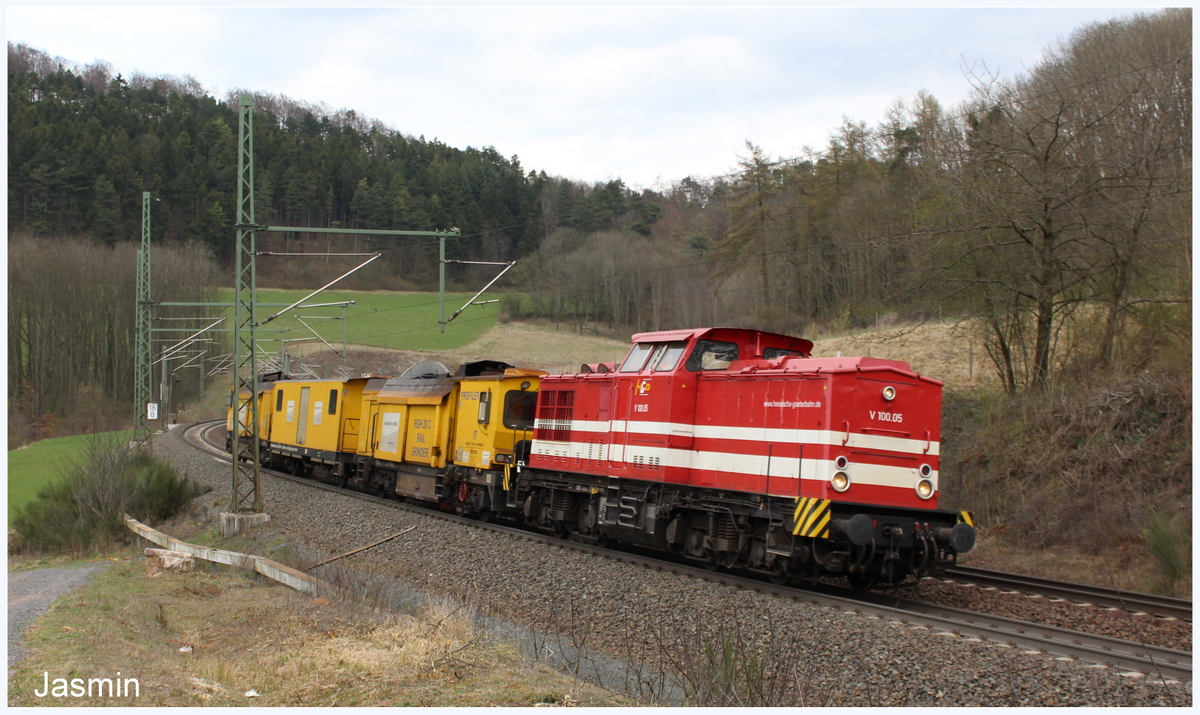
x=1128, y=568
x=944, y=350
x=291, y=649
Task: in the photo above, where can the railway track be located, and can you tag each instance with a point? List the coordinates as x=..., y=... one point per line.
x=1154, y=661
x=1133, y=602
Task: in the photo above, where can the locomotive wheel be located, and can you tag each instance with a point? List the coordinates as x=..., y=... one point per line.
x=717, y=562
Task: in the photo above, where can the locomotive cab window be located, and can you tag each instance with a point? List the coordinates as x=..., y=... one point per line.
x=637, y=358
x=772, y=353
x=712, y=355
x=333, y=402
x=279, y=400
x=520, y=409
x=669, y=357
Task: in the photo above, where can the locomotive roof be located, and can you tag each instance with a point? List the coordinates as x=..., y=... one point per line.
x=857, y=364
x=428, y=386
x=745, y=334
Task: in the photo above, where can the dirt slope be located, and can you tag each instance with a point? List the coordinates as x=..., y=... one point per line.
x=940, y=350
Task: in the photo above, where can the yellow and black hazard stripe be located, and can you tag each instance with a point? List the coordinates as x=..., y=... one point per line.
x=812, y=517
x=967, y=518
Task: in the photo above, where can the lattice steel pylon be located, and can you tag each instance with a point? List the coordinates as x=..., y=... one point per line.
x=246, y=496
x=142, y=368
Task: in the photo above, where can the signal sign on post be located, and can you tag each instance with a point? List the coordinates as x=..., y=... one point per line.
x=151, y=410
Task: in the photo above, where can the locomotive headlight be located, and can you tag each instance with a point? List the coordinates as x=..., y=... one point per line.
x=924, y=488
x=841, y=462
x=840, y=481
x=926, y=471
x=889, y=393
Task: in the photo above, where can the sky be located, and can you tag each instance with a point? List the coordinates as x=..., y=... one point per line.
x=589, y=93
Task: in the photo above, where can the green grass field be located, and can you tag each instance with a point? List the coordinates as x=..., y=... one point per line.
x=387, y=319
x=41, y=463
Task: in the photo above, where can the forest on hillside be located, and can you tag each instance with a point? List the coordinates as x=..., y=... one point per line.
x=1052, y=210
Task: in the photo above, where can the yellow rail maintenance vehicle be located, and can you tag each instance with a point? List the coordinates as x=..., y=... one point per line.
x=493, y=430
x=313, y=427
x=264, y=387
x=436, y=437
x=428, y=435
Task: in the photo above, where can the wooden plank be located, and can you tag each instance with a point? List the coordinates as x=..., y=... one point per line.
x=273, y=570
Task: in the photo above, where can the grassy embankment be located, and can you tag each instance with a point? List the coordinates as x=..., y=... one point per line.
x=244, y=633
x=212, y=636
x=378, y=320
x=36, y=466
x=386, y=319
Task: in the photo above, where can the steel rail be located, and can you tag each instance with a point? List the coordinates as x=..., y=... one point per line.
x=1157, y=661
x=1106, y=650
x=1132, y=601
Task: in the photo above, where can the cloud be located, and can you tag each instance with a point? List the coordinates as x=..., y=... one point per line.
x=591, y=93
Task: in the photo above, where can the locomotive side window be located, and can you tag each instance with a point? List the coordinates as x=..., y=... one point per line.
x=637, y=359
x=520, y=408
x=772, y=353
x=279, y=400
x=712, y=355
x=332, y=402
x=670, y=356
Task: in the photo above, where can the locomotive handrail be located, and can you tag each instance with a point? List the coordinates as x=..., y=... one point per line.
x=889, y=431
x=346, y=431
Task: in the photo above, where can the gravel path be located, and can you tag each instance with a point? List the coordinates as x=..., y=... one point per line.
x=31, y=593
x=839, y=659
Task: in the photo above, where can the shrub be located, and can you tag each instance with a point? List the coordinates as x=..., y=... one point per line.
x=1168, y=539
x=86, y=507
x=734, y=662
x=512, y=306
x=1075, y=465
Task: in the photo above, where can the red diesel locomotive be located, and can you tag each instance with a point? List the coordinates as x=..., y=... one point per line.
x=735, y=448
